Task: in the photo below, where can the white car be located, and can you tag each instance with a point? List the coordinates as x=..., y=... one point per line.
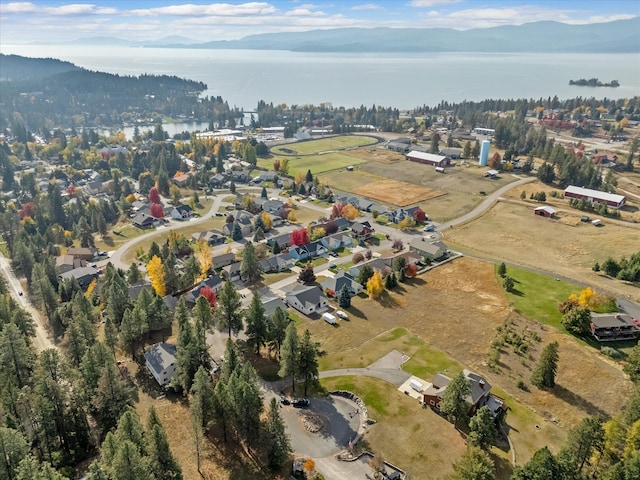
x=341, y=314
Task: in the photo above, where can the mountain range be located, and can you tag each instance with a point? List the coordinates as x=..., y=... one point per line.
x=622, y=36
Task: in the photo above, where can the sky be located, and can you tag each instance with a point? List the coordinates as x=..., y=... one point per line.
x=138, y=20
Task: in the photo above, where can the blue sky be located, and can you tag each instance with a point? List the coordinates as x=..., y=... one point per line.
x=53, y=21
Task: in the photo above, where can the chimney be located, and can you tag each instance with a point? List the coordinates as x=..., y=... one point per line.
x=481, y=383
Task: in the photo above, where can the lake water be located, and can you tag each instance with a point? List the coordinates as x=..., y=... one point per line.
x=243, y=77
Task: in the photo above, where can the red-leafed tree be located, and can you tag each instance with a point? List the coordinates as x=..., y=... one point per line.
x=276, y=165
x=419, y=216
x=411, y=271
x=156, y=210
x=154, y=195
x=496, y=161
x=330, y=227
x=71, y=190
x=299, y=237
x=210, y=294
x=336, y=210
x=28, y=210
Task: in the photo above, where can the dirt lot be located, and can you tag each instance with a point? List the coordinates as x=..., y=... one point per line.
x=397, y=193
x=456, y=309
x=565, y=246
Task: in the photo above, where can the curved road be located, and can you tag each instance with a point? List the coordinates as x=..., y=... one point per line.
x=116, y=257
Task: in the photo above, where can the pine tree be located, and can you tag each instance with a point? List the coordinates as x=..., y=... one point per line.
x=544, y=374
x=256, y=325
x=278, y=447
x=187, y=353
x=161, y=461
x=482, y=429
x=13, y=449
x=344, y=297
x=307, y=363
x=453, y=404
x=229, y=314
x=289, y=355
x=277, y=330
x=250, y=269
x=263, y=194
x=475, y=464
x=16, y=357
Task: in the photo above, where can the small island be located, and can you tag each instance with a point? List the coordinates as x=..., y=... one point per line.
x=593, y=82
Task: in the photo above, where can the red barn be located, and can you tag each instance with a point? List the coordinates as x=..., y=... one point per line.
x=595, y=196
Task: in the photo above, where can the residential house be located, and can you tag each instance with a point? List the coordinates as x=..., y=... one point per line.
x=214, y=282
x=223, y=260
x=453, y=153
x=232, y=272
x=336, y=241
x=479, y=393
x=240, y=177
x=218, y=180
x=277, y=263
x=283, y=241
x=143, y=220
x=246, y=229
x=341, y=223
x=161, y=362
x=334, y=285
x=139, y=204
x=84, y=275
x=362, y=230
x=136, y=289
x=83, y=253
x=428, y=250
x=270, y=302
x=307, y=299
x=396, y=216
x=268, y=176
x=182, y=180
x=609, y=327
x=272, y=205
x=380, y=264
x=310, y=250
x=212, y=237
x=64, y=263
x=181, y=212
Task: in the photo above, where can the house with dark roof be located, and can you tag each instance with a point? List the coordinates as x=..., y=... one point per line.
x=277, y=263
x=362, y=230
x=212, y=237
x=143, y=220
x=610, y=327
x=380, y=264
x=334, y=285
x=223, y=260
x=83, y=253
x=396, y=216
x=310, y=250
x=64, y=263
x=452, y=153
x=83, y=275
x=307, y=299
x=479, y=393
x=181, y=212
x=272, y=205
x=231, y=272
x=218, y=180
x=270, y=302
x=214, y=282
x=136, y=289
x=161, y=362
x=283, y=241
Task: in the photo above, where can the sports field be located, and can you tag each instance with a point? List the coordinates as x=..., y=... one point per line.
x=313, y=147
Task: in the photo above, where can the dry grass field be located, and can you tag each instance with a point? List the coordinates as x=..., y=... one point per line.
x=454, y=311
x=397, y=193
x=565, y=246
x=378, y=154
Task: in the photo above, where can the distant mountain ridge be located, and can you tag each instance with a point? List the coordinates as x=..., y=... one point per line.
x=622, y=36
x=17, y=68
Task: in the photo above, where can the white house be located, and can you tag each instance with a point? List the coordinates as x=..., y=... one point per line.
x=307, y=299
x=161, y=362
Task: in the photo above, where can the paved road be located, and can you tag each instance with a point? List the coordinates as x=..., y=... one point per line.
x=116, y=257
x=42, y=341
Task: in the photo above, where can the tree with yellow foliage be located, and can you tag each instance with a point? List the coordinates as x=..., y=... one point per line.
x=203, y=254
x=292, y=217
x=375, y=285
x=91, y=288
x=266, y=221
x=299, y=178
x=155, y=269
x=350, y=212
x=586, y=297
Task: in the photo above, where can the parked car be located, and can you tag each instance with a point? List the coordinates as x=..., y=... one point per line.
x=429, y=228
x=218, y=214
x=300, y=402
x=284, y=400
x=342, y=314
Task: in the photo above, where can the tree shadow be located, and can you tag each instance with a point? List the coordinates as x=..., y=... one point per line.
x=356, y=312
x=502, y=466
x=516, y=292
x=573, y=398
x=387, y=301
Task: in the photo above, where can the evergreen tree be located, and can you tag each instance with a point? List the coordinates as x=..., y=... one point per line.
x=307, y=362
x=278, y=447
x=236, y=232
x=582, y=441
x=161, y=461
x=454, y=404
x=187, y=353
x=112, y=397
x=277, y=330
x=256, y=324
x=542, y=466
x=43, y=291
x=289, y=355
x=502, y=269
x=13, y=449
x=309, y=176
x=250, y=269
x=544, y=374
x=482, y=429
x=17, y=359
x=344, y=297
x=475, y=464
x=263, y=194
x=133, y=273
x=229, y=314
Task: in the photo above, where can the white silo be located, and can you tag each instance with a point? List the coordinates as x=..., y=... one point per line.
x=484, y=153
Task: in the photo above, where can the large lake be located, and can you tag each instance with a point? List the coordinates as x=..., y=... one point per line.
x=243, y=77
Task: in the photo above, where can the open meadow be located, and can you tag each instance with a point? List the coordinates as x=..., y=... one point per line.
x=317, y=146
x=447, y=318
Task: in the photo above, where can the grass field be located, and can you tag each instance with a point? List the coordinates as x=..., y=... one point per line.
x=511, y=231
x=311, y=147
x=318, y=164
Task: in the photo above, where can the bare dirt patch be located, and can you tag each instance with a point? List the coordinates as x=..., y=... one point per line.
x=377, y=154
x=397, y=193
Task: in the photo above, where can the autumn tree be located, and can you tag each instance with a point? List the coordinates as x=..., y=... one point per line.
x=299, y=237
x=154, y=195
x=419, y=216
x=406, y=223
x=202, y=252
x=544, y=374
x=155, y=271
x=375, y=285
x=211, y=296
x=292, y=217
x=266, y=221
x=350, y=212
x=306, y=274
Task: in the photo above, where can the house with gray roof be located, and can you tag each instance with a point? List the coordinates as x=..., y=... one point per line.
x=428, y=250
x=136, y=289
x=223, y=260
x=161, y=362
x=277, y=263
x=83, y=275
x=212, y=237
x=214, y=282
x=338, y=282
x=307, y=299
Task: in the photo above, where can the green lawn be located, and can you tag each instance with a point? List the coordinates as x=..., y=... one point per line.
x=311, y=147
x=318, y=163
x=537, y=296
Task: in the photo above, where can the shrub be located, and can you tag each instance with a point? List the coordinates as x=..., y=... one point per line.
x=521, y=385
x=611, y=353
x=357, y=258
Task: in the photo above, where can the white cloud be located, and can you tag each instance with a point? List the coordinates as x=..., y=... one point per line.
x=18, y=7
x=304, y=12
x=366, y=6
x=219, y=9
x=431, y=3
x=71, y=9
x=602, y=19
